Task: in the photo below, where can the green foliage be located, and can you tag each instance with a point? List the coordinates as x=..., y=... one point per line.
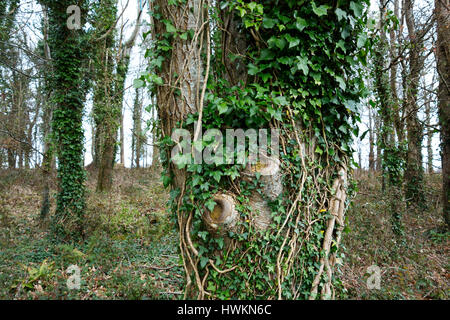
x=304, y=66
x=69, y=89
x=393, y=157
x=35, y=275
x=117, y=261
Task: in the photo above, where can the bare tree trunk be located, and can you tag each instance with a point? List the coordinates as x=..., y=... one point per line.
x=396, y=105
x=48, y=157
x=429, y=134
x=122, y=140
x=136, y=139
x=414, y=168
x=371, y=143
x=378, y=138
x=442, y=8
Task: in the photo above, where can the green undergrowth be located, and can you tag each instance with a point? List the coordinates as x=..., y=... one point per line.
x=415, y=266
x=125, y=256
x=130, y=250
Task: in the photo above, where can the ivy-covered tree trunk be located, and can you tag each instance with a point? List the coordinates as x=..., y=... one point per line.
x=66, y=47
x=443, y=64
x=112, y=64
x=392, y=161
x=269, y=229
x=105, y=112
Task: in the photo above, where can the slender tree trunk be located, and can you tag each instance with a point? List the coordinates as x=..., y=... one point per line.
x=106, y=114
x=371, y=143
x=396, y=105
x=109, y=147
x=414, y=167
x=429, y=134
x=378, y=139
x=122, y=141
x=173, y=106
x=442, y=8
x=48, y=157
x=137, y=130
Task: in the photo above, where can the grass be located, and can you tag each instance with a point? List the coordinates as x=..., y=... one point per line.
x=131, y=246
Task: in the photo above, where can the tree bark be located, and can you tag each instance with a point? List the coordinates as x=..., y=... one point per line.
x=442, y=11
x=67, y=82
x=414, y=167
x=429, y=134
x=371, y=143
x=109, y=147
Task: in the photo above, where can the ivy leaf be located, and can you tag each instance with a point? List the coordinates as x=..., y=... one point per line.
x=222, y=108
x=301, y=24
x=364, y=135
x=165, y=180
x=341, y=81
x=203, y=261
x=318, y=150
x=184, y=36
x=203, y=234
x=280, y=42
x=341, y=44
x=285, y=60
x=217, y=175
x=252, y=69
x=362, y=38
x=266, y=76
x=220, y=242
x=158, y=61
x=138, y=83
x=277, y=42
x=169, y=27
x=302, y=64
x=357, y=8
x=320, y=11
x=210, y=204
x=268, y=23
x=267, y=54
x=342, y=128
x=293, y=42
x=196, y=180
x=281, y=100
x=211, y=285
x=340, y=14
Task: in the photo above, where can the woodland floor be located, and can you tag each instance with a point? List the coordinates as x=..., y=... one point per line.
x=131, y=247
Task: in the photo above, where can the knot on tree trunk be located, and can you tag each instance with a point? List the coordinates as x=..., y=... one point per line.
x=223, y=216
x=269, y=169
